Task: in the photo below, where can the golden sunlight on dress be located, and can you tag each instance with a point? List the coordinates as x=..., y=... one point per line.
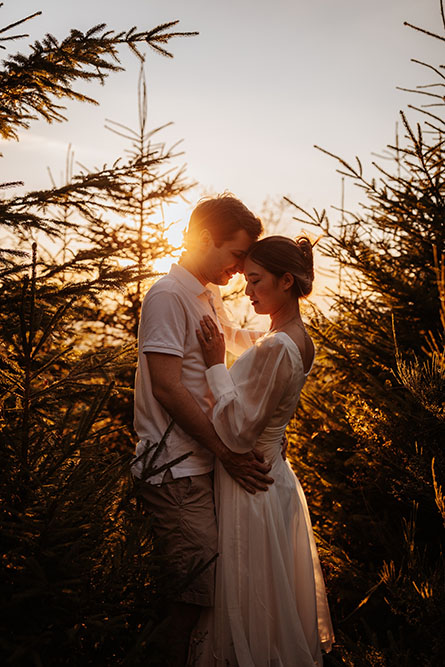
x=270, y=601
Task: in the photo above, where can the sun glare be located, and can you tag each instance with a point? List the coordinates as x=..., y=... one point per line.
x=176, y=216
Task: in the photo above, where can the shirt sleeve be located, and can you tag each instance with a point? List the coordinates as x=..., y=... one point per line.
x=163, y=324
x=237, y=340
x=245, y=405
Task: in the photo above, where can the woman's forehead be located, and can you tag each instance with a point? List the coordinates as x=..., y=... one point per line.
x=252, y=268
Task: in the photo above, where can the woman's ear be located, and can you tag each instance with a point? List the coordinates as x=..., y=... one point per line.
x=287, y=280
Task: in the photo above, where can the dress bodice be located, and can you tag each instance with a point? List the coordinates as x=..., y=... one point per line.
x=256, y=398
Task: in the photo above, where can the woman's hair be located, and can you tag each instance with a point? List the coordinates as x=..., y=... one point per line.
x=223, y=215
x=280, y=255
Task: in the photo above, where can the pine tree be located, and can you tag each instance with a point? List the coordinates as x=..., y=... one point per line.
x=78, y=566
x=369, y=437
x=138, y=238
x=30, y=84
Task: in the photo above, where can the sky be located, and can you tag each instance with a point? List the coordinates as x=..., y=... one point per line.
x=249, y=96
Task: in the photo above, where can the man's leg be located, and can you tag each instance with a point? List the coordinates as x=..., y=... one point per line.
x=183, y=618
x=183, y=519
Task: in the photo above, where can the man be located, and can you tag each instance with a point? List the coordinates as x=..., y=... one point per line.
x=171, y=385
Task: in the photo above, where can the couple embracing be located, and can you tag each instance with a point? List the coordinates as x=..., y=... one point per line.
x=234, y=499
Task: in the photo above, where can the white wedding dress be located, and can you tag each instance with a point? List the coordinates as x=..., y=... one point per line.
x=270, y=602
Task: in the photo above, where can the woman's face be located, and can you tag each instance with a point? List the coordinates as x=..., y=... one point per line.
x=267, y=293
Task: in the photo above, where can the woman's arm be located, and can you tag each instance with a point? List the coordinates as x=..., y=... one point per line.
x=244, y=408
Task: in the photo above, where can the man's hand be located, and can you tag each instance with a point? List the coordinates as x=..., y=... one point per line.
x=249, y=470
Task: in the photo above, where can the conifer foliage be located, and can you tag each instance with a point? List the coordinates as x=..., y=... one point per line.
x=30, y=83
x=372, y=429
x=78, y=570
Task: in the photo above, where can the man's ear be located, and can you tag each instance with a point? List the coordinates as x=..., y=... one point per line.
x=204, y=239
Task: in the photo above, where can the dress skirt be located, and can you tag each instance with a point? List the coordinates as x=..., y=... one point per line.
x=270, y=601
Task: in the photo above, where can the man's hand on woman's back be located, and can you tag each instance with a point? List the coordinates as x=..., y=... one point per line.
x=249, y=470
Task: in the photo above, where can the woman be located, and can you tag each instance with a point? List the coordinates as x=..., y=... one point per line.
x=270, y=601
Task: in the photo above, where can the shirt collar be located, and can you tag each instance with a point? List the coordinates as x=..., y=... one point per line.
x=187, y=280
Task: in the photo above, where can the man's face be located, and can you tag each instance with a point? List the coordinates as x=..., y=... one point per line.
x=220, y=264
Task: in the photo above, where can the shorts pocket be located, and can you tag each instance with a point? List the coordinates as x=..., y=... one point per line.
x=180, y=489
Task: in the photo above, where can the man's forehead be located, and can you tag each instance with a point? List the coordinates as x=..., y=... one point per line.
x=240, y=242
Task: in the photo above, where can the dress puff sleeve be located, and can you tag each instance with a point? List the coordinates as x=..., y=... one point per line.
x=247, y=397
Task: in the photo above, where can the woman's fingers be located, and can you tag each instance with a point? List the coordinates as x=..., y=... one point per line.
x=211, y=325
x=209, y=328
x=201, y=339
x=206, y=330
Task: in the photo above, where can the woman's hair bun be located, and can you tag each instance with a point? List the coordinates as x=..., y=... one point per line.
x=305, y=247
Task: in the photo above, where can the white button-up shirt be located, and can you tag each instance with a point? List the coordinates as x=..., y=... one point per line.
x=170, y=315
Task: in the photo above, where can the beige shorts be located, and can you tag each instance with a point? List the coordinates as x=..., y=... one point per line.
x=183, y=520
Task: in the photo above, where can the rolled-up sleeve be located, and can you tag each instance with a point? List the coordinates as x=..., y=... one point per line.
x=163, y=324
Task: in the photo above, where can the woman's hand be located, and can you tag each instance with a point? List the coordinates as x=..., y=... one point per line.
x=212, y=342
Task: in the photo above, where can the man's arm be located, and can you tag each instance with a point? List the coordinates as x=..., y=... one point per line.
x=165, y=371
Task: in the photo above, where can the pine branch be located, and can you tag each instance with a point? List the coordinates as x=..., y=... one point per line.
x=106, y=189
x=352, y=172
x=429, y=66
x=14, y=25
x=427, y=113
x=30, y=84
x=424, y=31
x=421, y=92
x=11, y=184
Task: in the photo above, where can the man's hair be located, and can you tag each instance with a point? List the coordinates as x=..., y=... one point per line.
x=223, y=216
